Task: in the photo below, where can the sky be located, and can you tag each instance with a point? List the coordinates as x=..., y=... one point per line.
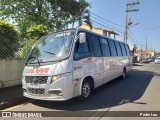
x=145, y=23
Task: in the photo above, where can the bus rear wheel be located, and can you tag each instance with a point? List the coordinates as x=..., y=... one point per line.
x=123, y=76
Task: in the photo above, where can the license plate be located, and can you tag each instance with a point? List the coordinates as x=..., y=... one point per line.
x=34, y=85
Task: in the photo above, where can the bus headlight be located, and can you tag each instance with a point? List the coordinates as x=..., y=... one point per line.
x=57, y=77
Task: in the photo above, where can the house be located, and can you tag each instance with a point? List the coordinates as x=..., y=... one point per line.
x=145, y=53
x=101, y=31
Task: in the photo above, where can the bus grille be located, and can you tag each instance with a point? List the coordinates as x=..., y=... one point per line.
x=36, y=91
x=35, y=79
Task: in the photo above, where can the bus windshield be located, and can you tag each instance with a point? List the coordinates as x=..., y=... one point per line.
x=52, y=48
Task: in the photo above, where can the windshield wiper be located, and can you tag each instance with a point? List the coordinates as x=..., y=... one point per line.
x=53, y=54
x=31, y=58
x=38, y=60
x=49, y=52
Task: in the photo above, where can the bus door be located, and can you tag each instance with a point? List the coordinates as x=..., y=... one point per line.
x=82, y=59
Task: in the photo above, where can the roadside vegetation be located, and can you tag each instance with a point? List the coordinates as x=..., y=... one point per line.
x=36, y=18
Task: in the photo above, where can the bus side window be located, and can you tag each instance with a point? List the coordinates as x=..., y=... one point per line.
x=96, y=46
x=118, y=49
x=105, y=47
x=112, y=48
x=123, y=49
x=128, y=50
x=82, y=50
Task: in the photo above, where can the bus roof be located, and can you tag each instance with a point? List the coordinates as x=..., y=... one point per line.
x=78, y=29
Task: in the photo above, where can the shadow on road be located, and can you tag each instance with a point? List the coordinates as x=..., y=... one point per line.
x=11, y=96
x=114, y=93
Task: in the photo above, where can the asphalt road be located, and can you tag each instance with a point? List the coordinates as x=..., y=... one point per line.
x=138, y=92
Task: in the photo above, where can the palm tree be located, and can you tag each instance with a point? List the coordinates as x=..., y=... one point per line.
x=73, y=11
x=87, y=18
x=82, y=14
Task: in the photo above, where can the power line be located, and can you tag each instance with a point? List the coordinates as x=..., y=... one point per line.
x=100, y=23
x=107, y=26
x=132, y=39
x=134, y=36
x=147, y=29
x=100, y=17
x=157, y=27
x=99, y=20
x=106, y=20
x=105, y=23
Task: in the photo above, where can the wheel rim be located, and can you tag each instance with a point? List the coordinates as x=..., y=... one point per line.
x=86, y=90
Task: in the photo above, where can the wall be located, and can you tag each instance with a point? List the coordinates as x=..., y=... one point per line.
x=11, y=72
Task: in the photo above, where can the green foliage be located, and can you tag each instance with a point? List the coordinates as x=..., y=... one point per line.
x=72, y=10
x=26, y=13
x=9, y=39
x=35, y=18
x=34, y=32
x=54, y=14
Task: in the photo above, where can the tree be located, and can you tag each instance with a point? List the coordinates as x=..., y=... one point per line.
x=76, y=11
x=30, y=16
x=53, y=15
x=84, y=13
x=9, y=40
x=26, y=13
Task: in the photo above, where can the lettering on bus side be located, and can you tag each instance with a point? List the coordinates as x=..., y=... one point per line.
x=87, y=60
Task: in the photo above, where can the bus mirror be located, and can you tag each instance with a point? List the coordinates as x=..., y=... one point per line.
x=82, y=38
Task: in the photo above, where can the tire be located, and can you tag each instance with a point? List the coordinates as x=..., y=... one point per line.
x=123, y=76
x=86, y=91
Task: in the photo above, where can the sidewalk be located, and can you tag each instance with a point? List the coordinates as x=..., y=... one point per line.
x=11, y=96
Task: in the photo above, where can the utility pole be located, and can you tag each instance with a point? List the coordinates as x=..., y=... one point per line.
x=128, y=21
x=146, y=47
x=141, y=49
x=141, y=53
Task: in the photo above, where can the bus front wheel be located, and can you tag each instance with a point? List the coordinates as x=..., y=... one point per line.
x=86, y=90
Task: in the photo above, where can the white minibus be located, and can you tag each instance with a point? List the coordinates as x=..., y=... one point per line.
x=72, y=63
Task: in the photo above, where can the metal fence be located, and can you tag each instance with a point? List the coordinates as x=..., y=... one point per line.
x=12, y=60
x=12, y=50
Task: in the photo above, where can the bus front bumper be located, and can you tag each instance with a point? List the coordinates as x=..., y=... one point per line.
x=42, y=97
x=59, y=90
